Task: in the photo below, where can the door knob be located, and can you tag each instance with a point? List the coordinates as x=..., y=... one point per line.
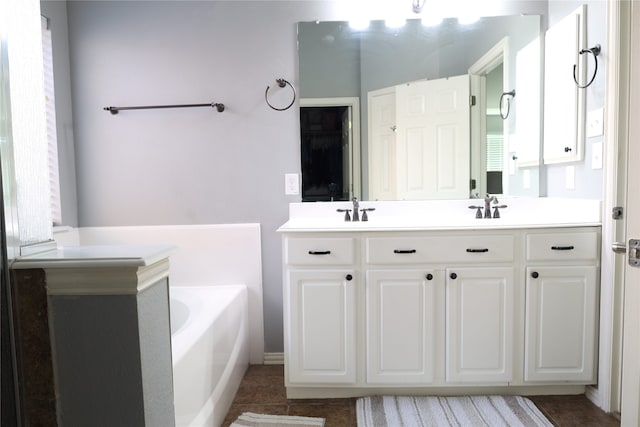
x=619, y=247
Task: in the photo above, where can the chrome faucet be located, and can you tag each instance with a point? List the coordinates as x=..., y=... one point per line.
x=488, y=199
x=356, y=207
x=356, y=212
x=487, y=204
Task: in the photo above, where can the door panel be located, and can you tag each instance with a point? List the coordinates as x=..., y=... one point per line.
x=479, y=327
x=433, y=148
x=631, y=334
x=400, y=326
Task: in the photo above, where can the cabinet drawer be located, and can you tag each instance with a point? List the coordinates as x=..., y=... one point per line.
x=319, y=251
x=583, y=246
x=441, y=249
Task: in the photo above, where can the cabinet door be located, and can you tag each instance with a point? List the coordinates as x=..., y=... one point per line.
x=560, y=334
x=321, y=326
x=479, y=325
x=400, y=326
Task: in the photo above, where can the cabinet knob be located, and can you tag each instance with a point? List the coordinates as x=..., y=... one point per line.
x=348, y=277
x=567, y=149
x=535, y=275
x=429, y=276
x=453, y=275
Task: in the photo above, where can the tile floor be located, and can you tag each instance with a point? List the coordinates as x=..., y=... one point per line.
x=262, y=391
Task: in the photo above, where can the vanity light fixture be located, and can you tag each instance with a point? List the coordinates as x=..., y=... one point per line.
x=395, y=22
x=418, y=5
x=432, y=20
x=467, y=19
x=359, y=24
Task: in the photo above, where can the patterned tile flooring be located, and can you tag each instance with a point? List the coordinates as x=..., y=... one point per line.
x=262, y=390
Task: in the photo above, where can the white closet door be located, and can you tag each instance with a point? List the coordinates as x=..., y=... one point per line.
x=382, y=144
x=433, y=139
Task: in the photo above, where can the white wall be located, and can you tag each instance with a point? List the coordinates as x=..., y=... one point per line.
x=193, y=166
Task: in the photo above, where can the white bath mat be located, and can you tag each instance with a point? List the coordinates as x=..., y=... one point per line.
x=490, y=411
x=249, y=419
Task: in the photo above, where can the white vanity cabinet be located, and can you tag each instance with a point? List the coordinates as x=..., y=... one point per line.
x=369, y=311
x=561, y=306
x=320, y=309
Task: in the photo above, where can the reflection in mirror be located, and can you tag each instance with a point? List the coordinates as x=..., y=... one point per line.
x=408, y=145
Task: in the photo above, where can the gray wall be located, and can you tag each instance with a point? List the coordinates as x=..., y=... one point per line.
x=588, y=182
x=192, y=166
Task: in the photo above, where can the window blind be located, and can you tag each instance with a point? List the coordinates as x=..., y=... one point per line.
x=50, y=110
x=495, y=152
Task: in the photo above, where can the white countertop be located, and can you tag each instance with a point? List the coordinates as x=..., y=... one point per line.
x=95, y=256
x=444, y=215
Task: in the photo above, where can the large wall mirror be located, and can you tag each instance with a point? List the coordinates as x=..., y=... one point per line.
x=418, y=112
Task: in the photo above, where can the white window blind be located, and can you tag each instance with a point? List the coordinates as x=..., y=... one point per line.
x=50, y=109
x=495, y=153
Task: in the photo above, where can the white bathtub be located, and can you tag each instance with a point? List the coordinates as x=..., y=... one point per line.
x=209, y=337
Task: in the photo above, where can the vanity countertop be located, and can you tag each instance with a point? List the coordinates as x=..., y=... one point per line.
x=95, y=256
x=444, y=215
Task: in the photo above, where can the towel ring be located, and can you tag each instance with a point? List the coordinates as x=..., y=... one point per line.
x=511, y=94
x=281, y=83
x=595, y=51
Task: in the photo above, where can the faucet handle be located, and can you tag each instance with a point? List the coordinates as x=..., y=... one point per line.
x=347, y=217
x=365, y=217
x=496, y=212
x=478, y=212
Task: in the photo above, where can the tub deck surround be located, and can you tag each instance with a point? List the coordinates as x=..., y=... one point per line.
x=426, y=299
x=205, y=255
x=108, y=314
x=100, y=270
x=445, y=215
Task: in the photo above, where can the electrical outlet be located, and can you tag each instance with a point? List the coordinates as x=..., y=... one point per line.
x=291, y=184
x=596, y=155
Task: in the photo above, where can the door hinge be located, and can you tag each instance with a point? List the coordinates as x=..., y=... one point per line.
x=634, y=252
x=472, y=100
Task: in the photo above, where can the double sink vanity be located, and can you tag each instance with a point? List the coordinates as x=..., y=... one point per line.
x=426, y=298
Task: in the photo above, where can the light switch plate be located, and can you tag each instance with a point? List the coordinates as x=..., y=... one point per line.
x=291, y=184
x=595, y=123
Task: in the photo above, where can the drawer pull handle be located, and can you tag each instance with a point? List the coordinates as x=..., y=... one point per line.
x=453, y=276
x=348, y=277
x=319, y=252
x=477, y=250
x=562, y=248
x=535, y=275
x=404, y=251
x=429, y=276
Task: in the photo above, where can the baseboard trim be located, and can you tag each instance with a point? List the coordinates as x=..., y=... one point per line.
x=594, y=396
x=274, y=359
